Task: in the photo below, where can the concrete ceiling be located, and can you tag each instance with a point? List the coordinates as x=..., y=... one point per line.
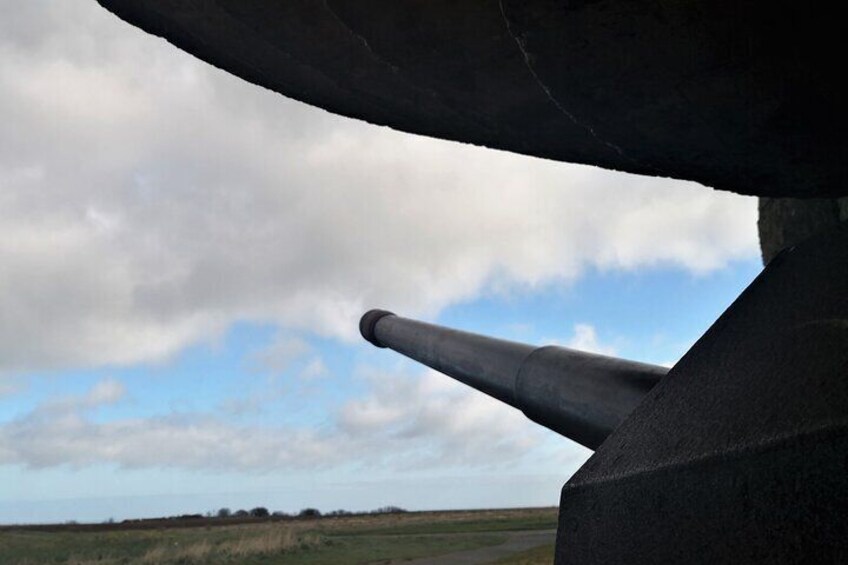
x=737, y=95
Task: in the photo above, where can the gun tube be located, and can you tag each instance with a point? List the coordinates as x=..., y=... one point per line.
x=582, y=396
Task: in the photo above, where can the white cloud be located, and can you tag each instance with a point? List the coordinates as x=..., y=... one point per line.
x=281, y=353
x=105, y=392
x=586, y=339
x=187, y=442
x=148, y=201
x=403, y=422
x=62, y=432
x=465, y=426
x=314, y=369
x=10, y=385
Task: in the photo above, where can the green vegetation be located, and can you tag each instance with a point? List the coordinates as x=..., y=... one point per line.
x=542, y=555
x=517, y=524
x=338, y=539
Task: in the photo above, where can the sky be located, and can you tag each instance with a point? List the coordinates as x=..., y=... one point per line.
x=184, y=258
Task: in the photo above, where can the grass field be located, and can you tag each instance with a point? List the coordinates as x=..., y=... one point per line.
x=387, y=538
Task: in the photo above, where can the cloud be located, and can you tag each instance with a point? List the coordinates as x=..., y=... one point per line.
x=404, y=422
x=10, y=386
x=148, y=201
x=62, y=431
x=280, y=354
x=466, y=427
x=104, y=393
x=314, y=369
x=188, y=442
x=586, y=339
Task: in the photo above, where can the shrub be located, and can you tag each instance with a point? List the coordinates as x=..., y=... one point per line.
x=339, y=512
x=388, y=510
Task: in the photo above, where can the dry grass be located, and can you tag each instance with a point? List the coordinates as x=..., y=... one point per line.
x=156, y=554
x=268, y=540
x=72, y=560
x=273, y=540
x=105, y=560
x=326, y=541
x=369, y=521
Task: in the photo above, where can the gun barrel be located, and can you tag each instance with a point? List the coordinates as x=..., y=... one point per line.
x=582, y=396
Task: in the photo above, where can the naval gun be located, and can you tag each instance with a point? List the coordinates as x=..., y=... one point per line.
x=736, y=455
x=582, y=396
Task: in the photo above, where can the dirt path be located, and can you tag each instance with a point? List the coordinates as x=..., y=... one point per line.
x=515, y=542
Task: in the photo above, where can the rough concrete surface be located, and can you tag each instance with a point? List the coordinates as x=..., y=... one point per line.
x=785, y=222
x=739, y=454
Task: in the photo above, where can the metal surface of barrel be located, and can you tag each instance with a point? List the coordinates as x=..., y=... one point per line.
x=580, y=395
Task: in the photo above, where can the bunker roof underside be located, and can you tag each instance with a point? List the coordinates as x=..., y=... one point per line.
x=738, y=95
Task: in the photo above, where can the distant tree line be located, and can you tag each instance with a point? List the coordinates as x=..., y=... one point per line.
x=262, y=512
x=259, y=513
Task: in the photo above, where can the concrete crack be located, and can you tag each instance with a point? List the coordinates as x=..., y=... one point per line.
x=359, y=38
x=527, y=63
x=429, y=92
